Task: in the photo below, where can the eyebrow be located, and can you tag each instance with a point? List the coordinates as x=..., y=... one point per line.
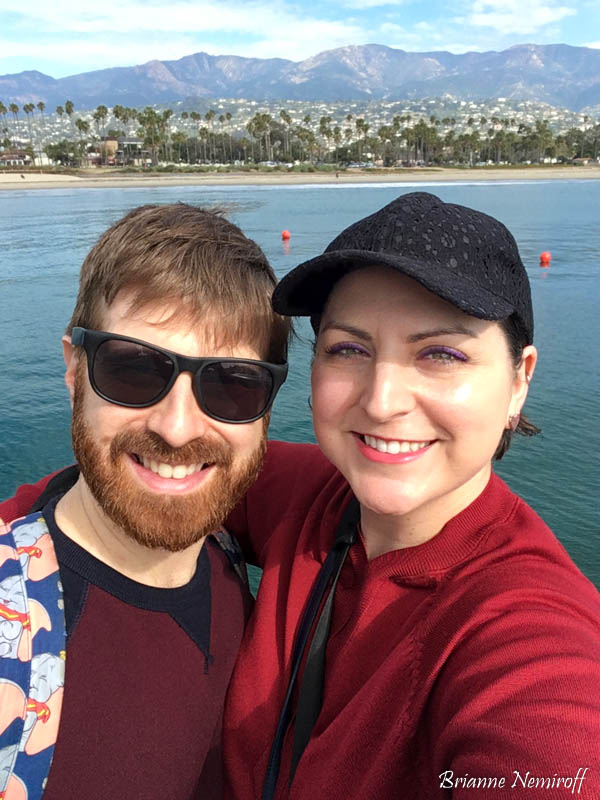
x=340, y=326
x=452, y=330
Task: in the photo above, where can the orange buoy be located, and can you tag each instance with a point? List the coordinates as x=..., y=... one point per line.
x=285, y=235
x=545, y=259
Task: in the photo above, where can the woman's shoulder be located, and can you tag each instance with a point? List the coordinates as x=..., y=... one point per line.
x=517, y=563
x=522, y=533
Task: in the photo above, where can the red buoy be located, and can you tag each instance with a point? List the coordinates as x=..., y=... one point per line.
x=285, y=235
x=545, y=259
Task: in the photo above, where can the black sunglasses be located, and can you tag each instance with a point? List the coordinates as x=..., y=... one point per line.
x=136, y=374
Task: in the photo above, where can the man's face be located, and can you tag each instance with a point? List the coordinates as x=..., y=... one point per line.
x=167, y=474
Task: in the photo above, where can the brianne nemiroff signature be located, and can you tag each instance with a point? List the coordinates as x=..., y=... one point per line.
x=517, y=780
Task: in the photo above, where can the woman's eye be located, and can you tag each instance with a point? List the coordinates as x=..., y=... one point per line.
x=444, y=354
x=345, y=349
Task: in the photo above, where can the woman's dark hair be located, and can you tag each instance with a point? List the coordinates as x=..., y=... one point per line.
x=517, y=340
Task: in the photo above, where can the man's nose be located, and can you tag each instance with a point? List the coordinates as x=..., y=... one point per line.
x=178, y=419
x=389, y=391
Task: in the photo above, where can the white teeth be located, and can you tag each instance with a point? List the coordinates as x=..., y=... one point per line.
x=167, y=471
x=394, y=446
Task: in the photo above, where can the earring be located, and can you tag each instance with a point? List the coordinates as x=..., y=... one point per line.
x=513, y=422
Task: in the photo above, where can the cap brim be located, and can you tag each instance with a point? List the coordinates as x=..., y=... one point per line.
x=304, y=290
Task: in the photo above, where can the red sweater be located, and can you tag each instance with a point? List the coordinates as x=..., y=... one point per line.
x=474, y=655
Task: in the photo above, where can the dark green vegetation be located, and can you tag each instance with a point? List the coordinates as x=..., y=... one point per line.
x=150, y=137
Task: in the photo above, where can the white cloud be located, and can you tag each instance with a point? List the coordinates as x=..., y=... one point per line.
x=82, y=35
x=360, y=4
x=392, y=27
x=515, y=17
x=128, y=16
x=595, y=45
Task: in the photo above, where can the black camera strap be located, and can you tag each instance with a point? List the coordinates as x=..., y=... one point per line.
x=310, y=697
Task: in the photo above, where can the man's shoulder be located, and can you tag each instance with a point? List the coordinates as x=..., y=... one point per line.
x=22, y=527
x=36, y=495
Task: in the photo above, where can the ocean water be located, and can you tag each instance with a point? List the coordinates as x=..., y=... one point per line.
x=45, y=234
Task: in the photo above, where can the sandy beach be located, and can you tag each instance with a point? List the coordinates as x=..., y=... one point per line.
x=104, y=179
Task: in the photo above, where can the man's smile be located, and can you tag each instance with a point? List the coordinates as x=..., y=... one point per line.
x=177, y=472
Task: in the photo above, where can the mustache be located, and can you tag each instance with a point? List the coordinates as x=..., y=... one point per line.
x=152, y=446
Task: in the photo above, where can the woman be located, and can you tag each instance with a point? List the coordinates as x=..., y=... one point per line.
x=462, y=650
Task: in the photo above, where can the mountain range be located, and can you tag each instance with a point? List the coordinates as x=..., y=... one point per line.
x=561, y=75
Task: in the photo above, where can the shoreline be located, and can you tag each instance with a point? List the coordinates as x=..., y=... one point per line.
x=105, y=180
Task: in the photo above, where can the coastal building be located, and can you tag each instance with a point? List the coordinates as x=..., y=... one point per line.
x=15, y=158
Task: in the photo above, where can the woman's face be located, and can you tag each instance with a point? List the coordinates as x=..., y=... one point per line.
x=410, y=395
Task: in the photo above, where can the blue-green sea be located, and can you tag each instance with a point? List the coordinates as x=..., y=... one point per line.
x=45, y=234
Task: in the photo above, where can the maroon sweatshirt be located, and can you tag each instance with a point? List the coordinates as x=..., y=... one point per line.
x=475, y=655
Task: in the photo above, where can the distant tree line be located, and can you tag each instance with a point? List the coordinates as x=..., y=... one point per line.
x=195, y=138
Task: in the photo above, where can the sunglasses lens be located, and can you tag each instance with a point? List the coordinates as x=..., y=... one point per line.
x=235, y=391
x=130, y=373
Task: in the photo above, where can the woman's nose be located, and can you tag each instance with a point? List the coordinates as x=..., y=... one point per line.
x=178, y=418
x=389, y=391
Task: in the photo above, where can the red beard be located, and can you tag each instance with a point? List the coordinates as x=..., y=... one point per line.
x=160, y=521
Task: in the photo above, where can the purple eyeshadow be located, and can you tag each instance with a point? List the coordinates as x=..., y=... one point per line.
x=338, y=346
x=443, y=349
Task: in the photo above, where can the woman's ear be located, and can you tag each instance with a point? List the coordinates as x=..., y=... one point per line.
x=523, y=377
x=71, y=358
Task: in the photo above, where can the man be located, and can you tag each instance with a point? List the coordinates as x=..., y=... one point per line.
x=173, y=358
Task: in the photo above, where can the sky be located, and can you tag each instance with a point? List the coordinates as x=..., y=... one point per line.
x=67, y=37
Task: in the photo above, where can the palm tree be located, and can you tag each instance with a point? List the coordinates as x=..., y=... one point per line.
x=28, y=109
x=3, y=112
x=195, y=117
x=69, y=109
x=348, y=134
x=337, y=139
x=14, y=110
x=222, y=123
x=325, y=130
x=244, y=143
x=83, y=126
x=287, y=121
x=209, y=116
x=185, y=116
x=228, y=118
x=359, y=125
x=166, y=132
x=151, y=128
x=204, y=135
x=100, y=115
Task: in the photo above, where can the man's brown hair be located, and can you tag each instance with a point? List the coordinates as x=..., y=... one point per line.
x=192, y=259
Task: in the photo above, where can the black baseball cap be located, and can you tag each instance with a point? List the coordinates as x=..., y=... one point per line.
x=461, y=255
